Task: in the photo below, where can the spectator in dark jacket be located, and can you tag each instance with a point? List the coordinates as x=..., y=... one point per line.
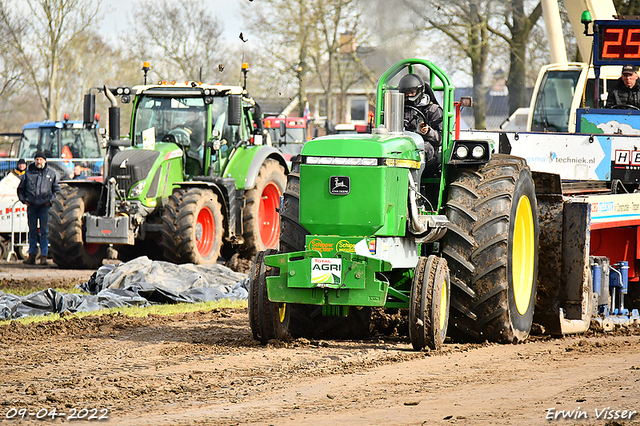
x=37, y=189
x=626, y=90
x=78, y=173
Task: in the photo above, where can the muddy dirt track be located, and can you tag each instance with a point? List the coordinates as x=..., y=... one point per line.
x=204, y=369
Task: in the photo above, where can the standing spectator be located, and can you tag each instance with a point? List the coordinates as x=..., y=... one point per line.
x=36, y=189
x=78, y=173
x=20, y=168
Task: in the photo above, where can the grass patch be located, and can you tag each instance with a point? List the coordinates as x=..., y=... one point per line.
x=136, y=311
x=25, y=291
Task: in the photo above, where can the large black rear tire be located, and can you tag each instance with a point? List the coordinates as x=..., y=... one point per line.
x=192, y=227
x=67, y=246
x=292, y=233
x=260, y=220
x=492, y=250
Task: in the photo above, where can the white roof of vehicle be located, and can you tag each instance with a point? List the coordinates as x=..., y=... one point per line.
x=190, y=85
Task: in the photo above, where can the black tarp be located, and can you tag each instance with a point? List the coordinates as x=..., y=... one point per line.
x=140, y=282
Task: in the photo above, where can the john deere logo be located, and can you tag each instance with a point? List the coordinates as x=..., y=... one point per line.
x=339, y=185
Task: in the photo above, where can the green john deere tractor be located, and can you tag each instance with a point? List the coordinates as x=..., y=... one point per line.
x=364, y=225
x=194, y=177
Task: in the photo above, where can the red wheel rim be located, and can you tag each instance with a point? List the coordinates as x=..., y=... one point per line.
x=205, y=232
x=268, y=216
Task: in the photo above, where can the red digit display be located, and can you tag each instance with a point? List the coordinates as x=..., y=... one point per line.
x=620, y=43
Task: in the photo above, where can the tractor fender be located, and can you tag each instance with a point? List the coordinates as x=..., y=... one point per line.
x=245, y=164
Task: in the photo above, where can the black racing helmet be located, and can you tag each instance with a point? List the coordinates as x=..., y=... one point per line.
x=409, y=83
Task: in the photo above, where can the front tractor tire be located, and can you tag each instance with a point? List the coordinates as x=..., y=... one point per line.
x=268, y=320
x=192, y=227
x=261, y=221
x=492, y=250
x=429, y=304
x=68, y=248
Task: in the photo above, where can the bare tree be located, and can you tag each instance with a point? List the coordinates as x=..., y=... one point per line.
x=519, y=23
x=97, y=63
x=627, y=7
x=466, y=25
x=285, y=31
x=302, y=40
x=336, y=62
x=39, y=37
x=183, y=39
x=11, y=76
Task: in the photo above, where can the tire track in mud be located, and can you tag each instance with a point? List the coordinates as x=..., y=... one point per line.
x=204, y=368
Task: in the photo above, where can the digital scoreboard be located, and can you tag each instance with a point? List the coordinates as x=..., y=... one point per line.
x=617, y=42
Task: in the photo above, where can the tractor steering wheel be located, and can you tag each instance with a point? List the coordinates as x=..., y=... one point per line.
x=420, y=114
x=625, y=106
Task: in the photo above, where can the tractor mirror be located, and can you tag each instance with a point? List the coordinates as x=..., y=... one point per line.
x=235, y=110
x=283, y=127
x=466, y=101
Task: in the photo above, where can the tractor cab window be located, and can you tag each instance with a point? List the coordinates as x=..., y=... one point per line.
x=28, y=143
x=179, y=120
x=553, y=103
x=82, y=143
x=49, y=142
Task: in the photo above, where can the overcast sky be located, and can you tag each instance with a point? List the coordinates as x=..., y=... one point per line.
x=114, y=23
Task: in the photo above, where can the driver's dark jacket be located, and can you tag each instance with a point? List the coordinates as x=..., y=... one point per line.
x=38, y=186
x=623, y=95
x=433, y=113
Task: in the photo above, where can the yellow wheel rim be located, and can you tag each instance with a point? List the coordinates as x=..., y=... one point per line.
x=282, y=311
x=523, y=255
x=443, y=305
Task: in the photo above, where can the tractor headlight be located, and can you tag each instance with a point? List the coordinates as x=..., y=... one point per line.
x=478, y=152
x=137, y=189
x=470, y=152
x=462, y=152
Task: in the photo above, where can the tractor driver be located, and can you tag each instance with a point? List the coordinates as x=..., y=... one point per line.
x=626, y=90
x=422, y=115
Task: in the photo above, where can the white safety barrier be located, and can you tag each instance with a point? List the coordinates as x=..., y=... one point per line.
x=19, y=238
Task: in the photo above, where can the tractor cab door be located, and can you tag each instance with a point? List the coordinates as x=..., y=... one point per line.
x=223, y=134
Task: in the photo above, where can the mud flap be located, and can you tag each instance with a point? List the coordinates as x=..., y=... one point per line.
x=564, y=302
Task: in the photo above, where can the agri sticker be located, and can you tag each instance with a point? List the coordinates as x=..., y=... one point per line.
x=326, y=271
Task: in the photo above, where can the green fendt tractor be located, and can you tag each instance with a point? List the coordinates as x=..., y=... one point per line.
x=364, y=225
x=194, y=176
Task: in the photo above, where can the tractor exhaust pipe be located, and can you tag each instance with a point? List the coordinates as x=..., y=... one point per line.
x=114, y=132
x=114, y=115
x=394, y=111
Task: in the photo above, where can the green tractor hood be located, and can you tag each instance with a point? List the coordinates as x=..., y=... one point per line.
x=356, y=185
